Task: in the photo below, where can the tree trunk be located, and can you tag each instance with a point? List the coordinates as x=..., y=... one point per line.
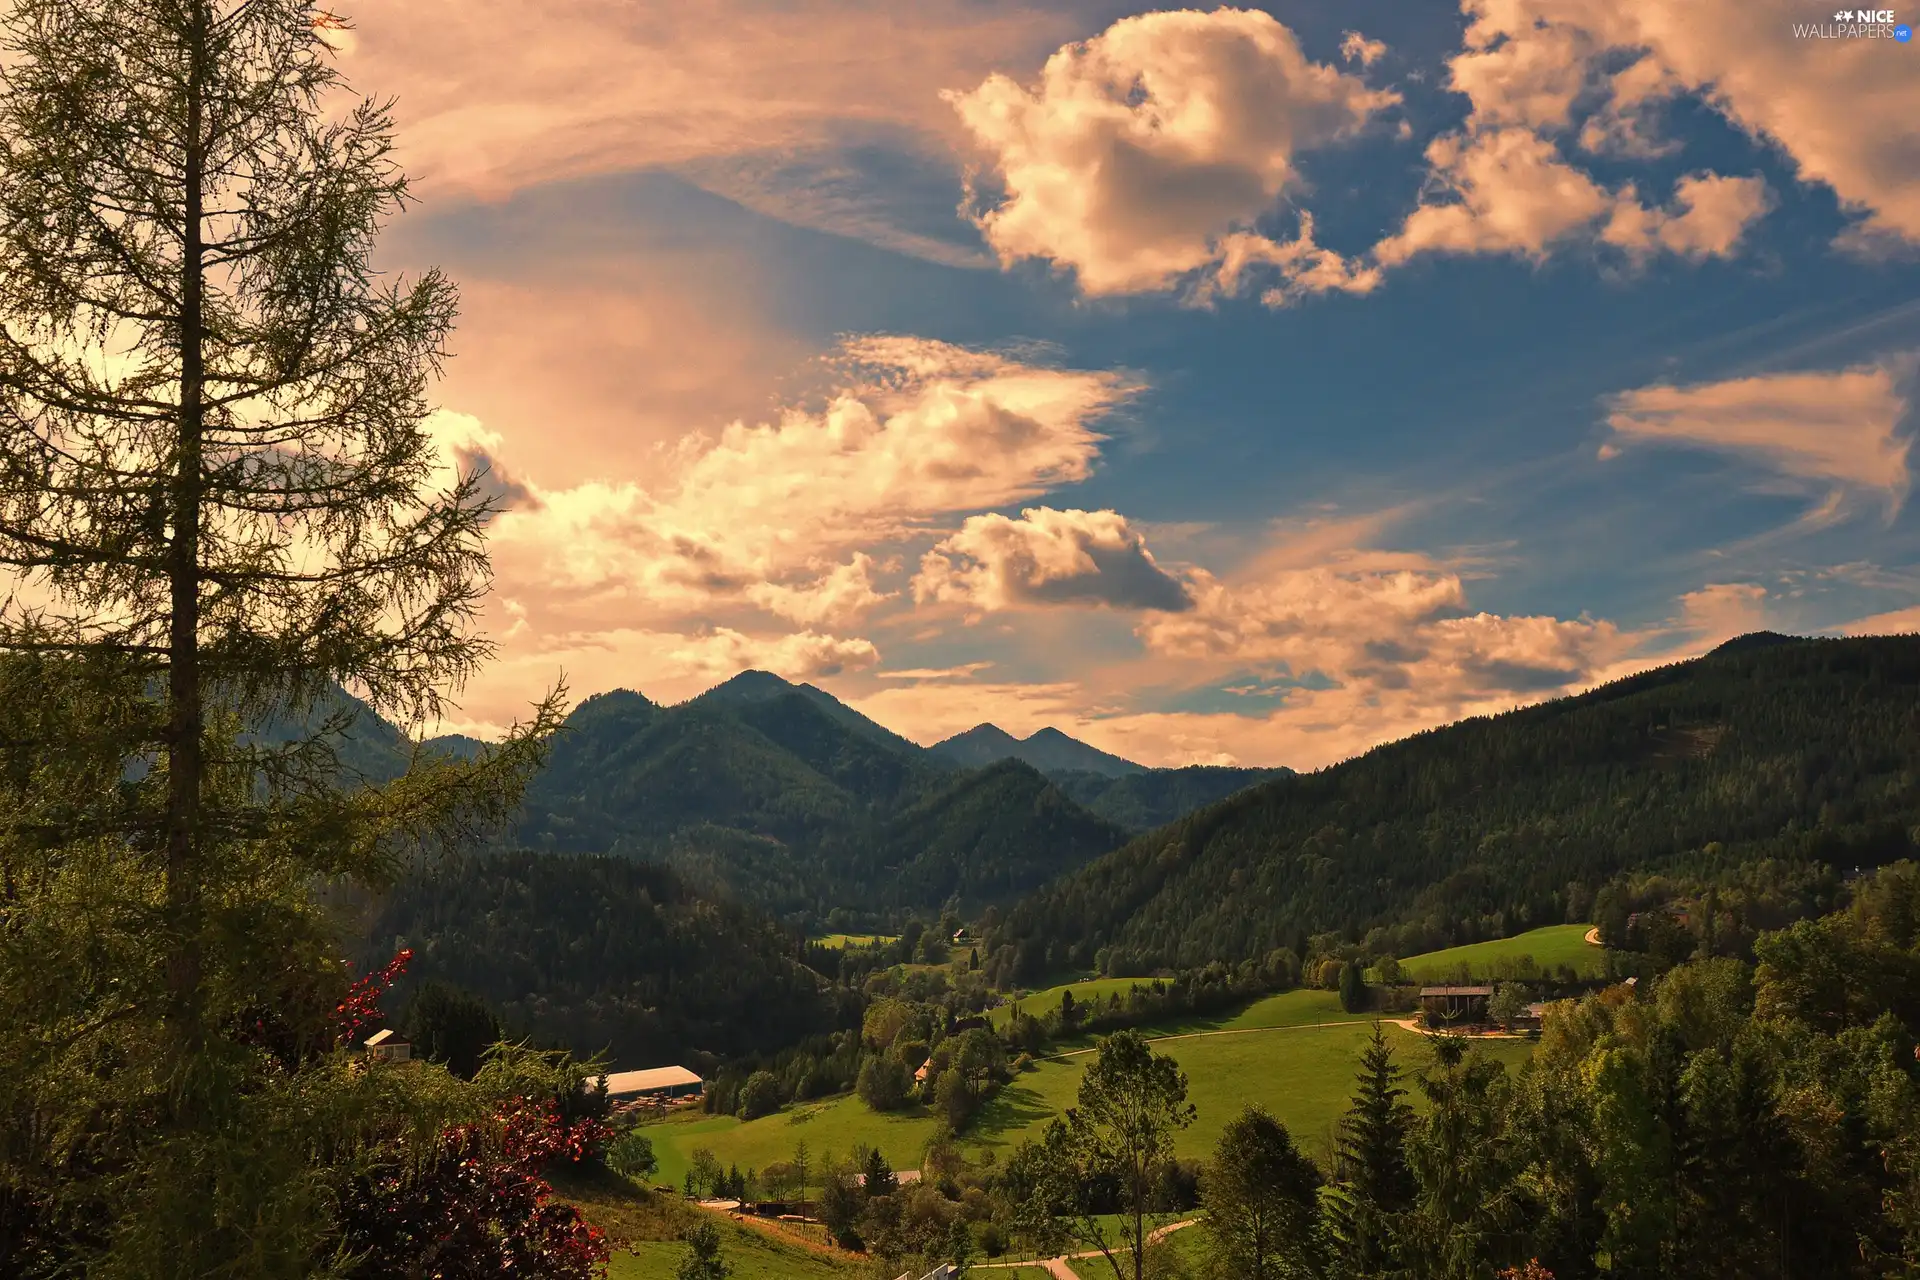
x=185, y=765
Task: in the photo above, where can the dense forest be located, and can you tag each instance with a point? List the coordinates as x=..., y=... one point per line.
x=604, y=953
x=1155, y=797
x=1768, y=749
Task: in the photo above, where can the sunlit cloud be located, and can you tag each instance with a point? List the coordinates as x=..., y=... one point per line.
x=1839, y=427
x=1047, y=557
x=1137, y=153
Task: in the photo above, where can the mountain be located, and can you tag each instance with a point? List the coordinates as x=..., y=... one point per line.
x=992, y=834
x=788, y=799
x=1798, y=752
x=1048, y=750
x=1155, y=797
x=751, y=687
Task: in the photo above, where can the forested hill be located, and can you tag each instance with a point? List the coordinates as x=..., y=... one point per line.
x=1155, y=797
x=605, y=953
x=1795, y=750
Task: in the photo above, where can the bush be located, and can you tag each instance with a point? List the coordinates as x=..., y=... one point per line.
x=884, y=1082
x=632, y=1156
x=760, y=1095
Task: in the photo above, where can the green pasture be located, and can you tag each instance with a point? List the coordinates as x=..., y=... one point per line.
x=1551, y=947
x=1039, y=1002
x=1293, y=1053
x=841, y=941
x=751, y=1254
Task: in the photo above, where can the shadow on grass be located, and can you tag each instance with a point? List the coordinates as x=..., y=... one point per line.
x=1014, y=1108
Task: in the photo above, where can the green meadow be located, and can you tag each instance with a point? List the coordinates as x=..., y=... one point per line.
x=841, y=941
x=1293, y=1053
x=751, y=1254
x=1039, y=1002
x=1551, y=947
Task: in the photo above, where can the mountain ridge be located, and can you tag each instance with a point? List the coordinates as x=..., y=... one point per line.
x=1791, y=752
x=1046, y=749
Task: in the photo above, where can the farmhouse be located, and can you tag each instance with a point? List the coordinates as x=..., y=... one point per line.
x=1455, y=1004
x=656, y=1084
x=389, y=1046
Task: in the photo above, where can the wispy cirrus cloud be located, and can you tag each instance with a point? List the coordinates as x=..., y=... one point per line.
x=1840, y=428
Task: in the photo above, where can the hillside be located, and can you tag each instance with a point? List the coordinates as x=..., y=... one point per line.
x=598, y=952
x=1798, y=751
x=1047, y=750
x=1155, y=797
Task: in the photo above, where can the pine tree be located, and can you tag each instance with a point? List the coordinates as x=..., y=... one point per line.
x=1375, y=1185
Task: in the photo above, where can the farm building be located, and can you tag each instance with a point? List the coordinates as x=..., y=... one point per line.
x=1455, y=1004
x=657, y=1083
x=389, y=1046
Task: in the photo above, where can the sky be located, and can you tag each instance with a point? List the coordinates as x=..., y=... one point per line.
x=1245, y=385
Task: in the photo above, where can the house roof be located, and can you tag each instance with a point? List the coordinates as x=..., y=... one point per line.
x=385, y=1037
x=1455, y=991
x=652, y=1078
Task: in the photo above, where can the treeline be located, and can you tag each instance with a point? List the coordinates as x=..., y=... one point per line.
x=1797, y=753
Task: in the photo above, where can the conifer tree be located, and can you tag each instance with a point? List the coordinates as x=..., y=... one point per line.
x=1376, y=1185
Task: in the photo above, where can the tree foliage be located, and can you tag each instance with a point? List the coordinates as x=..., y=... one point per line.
x=1262, y=1198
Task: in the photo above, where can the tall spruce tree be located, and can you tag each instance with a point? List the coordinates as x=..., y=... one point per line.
x=1376, y=1185
x=219, y=502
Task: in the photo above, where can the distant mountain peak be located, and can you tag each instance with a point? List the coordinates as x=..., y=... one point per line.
x=1048, y=750
x=752, y=683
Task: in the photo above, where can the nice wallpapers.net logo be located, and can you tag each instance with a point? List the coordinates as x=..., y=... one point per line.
x=1856, y=24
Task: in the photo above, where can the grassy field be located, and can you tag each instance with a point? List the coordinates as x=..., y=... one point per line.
x=1293, y=1053
x=752, y=1256
x=1039, y=1002
x=1551, y=947
x=643, y=1232
x=841, y=941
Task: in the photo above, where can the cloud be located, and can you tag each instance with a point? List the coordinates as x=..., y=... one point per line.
x=1137, y=152
x=781, y=515
x=1398, y=635
x=1899, y=622
x=1048, y=557
x=1508, y=190
x=1722, y=610
x=495, y=97
x=802, y=656
x=1846, y=112
x=1355, y=47
x=844, y=592
x=1715, y=212
x=1836, y=427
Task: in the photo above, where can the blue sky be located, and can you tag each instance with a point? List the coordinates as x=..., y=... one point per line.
x=1239, y=384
